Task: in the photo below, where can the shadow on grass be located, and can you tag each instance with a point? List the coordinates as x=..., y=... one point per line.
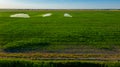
x=25, y=46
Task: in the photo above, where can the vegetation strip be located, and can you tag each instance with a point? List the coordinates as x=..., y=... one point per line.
x=57, y=56
x=57, y=63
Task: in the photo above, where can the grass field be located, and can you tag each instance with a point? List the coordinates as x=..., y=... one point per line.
x=86, y=29
x=89, y=34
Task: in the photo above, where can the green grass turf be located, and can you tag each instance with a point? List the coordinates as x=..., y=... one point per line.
x=99, y=29
x=56, y=63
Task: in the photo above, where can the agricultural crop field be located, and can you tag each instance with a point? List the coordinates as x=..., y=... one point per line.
x=94, y=29
x=87, y=34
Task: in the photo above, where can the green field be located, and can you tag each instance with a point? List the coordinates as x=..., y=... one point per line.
x=89, y=38
x=98, y=30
